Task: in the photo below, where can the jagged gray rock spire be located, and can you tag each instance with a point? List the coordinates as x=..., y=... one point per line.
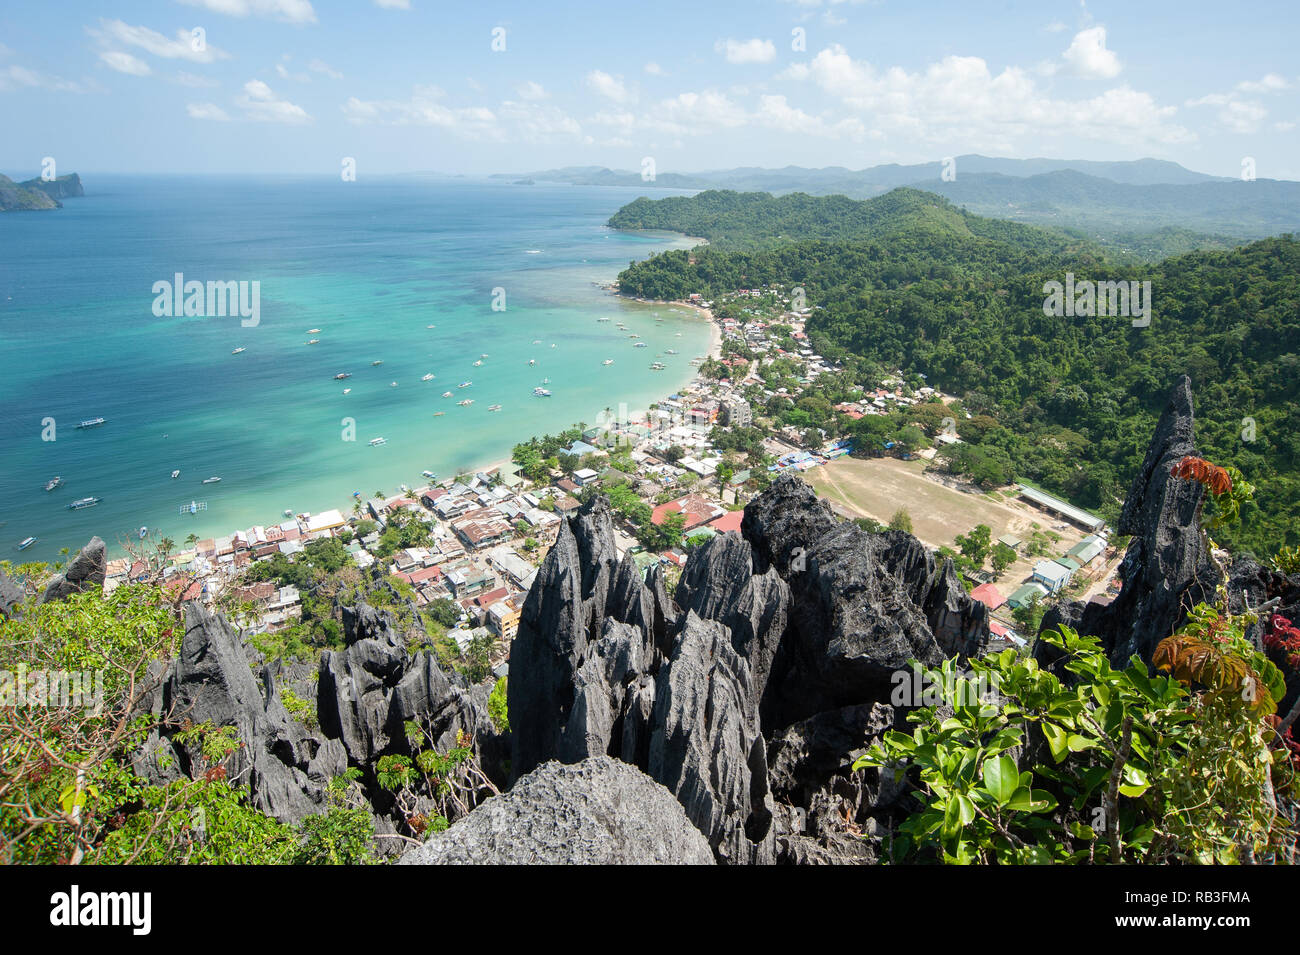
x=1167, y=568
x=85, y=572
x=285, y=767
x=791, y=630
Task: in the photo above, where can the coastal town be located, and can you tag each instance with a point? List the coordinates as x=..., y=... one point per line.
x=463, y=551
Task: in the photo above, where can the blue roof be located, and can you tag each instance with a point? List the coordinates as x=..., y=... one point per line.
x=582, y=447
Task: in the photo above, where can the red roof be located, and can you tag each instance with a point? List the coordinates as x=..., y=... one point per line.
x=492, y=596
x=998, y=629
x=729, y=521
x=420, y=576
x=989, y=596
x=696, y=509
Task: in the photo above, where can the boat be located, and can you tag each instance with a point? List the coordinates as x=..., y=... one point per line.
x=341, y=375
x=313, y=331
x=347, y=391
x=212, y=480
x=552, y=344
x=27, y=543
x=90, y=423
x=465, y=384
x=439, y=414
x=672, y=351
x=602, y=319
x=478, y=363
x=428, y=377
x=375, y=364
x=238, y=350
x=446, y=394
x=176, y=474
x=430, y=326
x=541, y=392
x=83, y=502
x=288, y=513
x=640, y=345
x=532, y=361
x=392, y=384
x=314, y=341
x=658, y=366
x=485, y=355
x=144, y=532
x=431, y=475
x=466, y=403
x=193, y=507
x=608, y=361
x=53, y=482
x=494, y=407
x=546, y=381
x=376, y=442
x=537, y=341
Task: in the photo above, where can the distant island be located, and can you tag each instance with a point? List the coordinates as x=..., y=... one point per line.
x=38, y=193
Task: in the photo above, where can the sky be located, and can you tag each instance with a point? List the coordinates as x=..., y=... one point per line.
x=295, y=86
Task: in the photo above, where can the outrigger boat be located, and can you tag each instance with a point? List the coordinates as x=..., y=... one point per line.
x=376, y=442
x=212, y=480
x=238, y=350
x=53, y=482
x=27, y=543
x=90, y=423
x=176, y=474
x=84, y=502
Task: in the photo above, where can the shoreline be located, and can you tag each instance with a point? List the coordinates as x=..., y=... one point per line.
x=344, y=504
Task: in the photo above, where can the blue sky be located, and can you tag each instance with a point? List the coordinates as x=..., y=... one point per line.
x=292, y=86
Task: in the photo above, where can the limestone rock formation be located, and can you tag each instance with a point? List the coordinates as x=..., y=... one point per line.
x=600, y=811
x=1167, y=568
x=86, y=571
x=285, y=767
x=795, y=626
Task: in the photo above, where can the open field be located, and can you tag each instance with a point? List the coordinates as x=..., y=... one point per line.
x=877, y=487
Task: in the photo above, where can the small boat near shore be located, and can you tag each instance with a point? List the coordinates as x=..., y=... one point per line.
x=465, y=384
x=466, y=402
x=144, y=532
x=428, y=377
x=313, y=331
x=341, y=375
x=83, y=503
x=431, y=475
x=314, y=341
x=376, y=442
x=239, y=350
x=90, y=423
x=608, y=361
x=212, y=480
x=494, y=407
x=53, y=482
x=347, y=391
x=439, y=414
x=28, y=542
x=376, y=364
x=176, y=474
x=541, y=392
x=193, y=507
x=446, y=394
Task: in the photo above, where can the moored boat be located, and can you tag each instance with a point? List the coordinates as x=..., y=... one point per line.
x=90, y=423
x=28, y=542
x=376, y=442
x=82, y=503
x=212, y=480
x=53, y=482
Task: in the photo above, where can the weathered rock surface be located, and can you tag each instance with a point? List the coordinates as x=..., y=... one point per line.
x=85, y=572
x=1167, y=568
x=599, y=811
x=11, y=594
x=367, y=692
x=798, y=618
x=209, y=680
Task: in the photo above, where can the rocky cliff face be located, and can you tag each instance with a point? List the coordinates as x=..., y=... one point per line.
x=1167, y=568
x=750, y=693
x=64, y=187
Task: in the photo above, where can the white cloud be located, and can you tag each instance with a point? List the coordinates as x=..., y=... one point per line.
x=290, y=11
x=181, y=48
x=1236, y=115
x=958, y=99
x=320, y=66
x=394, y=4
x=195, y=81
x=531, y=91
x=260, y=103
x=1269, y=83
x=15, y=77
x=1087, y=55
x=746, y=51
x=1056, y=26
x=611, y=87
x=774, y=112
x=206, y=111
x=422, y=109
x=124, y=63
x=654, y=69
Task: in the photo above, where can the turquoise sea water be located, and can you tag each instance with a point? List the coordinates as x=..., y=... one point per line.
x=371, y=264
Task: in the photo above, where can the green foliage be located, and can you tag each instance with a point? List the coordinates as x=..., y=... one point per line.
x=975, y=545
x=497, y=708
x=1133, y=768
x=901, y=521
x=1001, y=557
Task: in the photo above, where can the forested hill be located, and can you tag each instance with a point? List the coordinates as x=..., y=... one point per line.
x=1074, y=398
x=748, y=220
